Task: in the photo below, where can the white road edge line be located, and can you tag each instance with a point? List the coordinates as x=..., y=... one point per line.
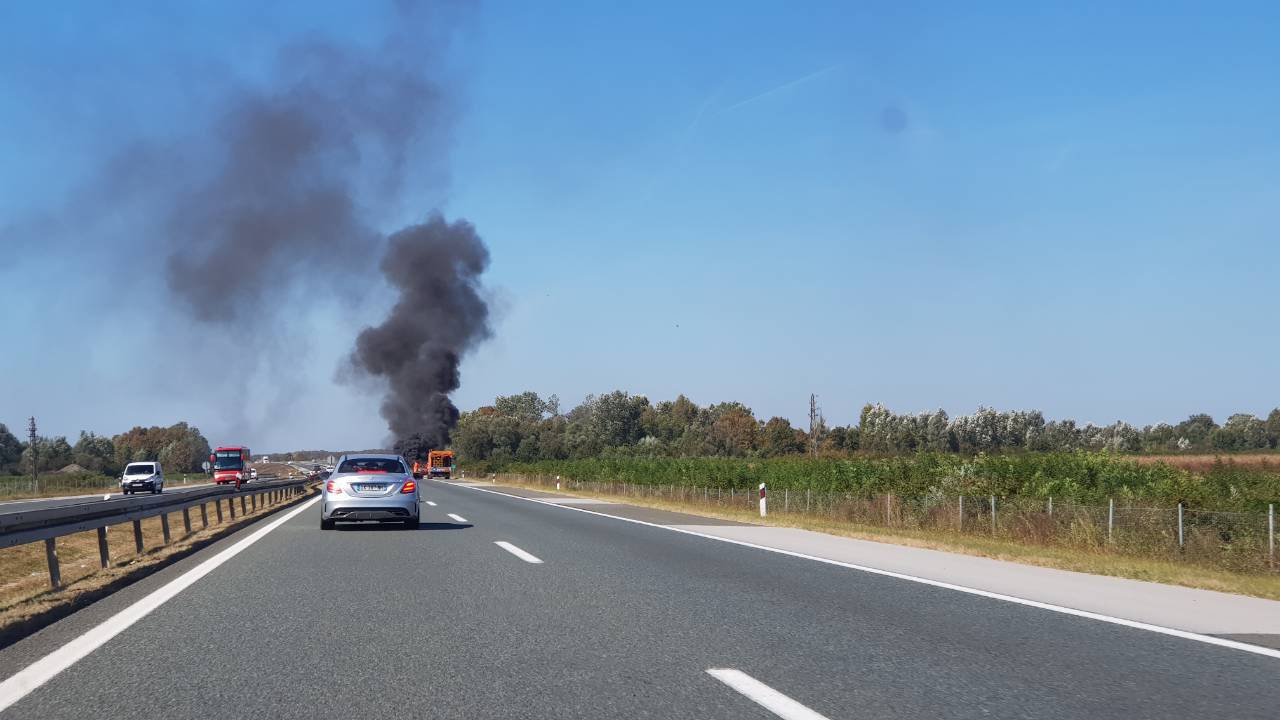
x=43, y=670
x=1137, y=625
x=764, y=696
x=517, y=552
x=430, y=503
x=457, y=518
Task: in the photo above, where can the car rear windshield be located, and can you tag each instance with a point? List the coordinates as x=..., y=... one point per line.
x=143, y=469
x=371, y=465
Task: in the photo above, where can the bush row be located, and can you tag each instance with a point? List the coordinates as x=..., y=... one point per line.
x=1082, y=477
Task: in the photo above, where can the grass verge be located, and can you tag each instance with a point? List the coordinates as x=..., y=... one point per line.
x=1063, y=558
x=27, y=603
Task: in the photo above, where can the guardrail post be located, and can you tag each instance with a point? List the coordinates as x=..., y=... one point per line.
x=51, y=556
x=231, y=505
x=137, y=536
x=253, y=502
x=164, y=526
x=186, y=520
x=217, y=506
x=103, y=556
x=243, y=511
x=204, y=516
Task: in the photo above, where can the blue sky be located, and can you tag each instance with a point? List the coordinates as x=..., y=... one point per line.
x=1068, y=209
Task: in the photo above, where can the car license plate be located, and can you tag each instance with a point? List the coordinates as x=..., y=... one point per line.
x=371, y=488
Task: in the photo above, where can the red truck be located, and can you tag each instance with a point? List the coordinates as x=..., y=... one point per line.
x=230, y=465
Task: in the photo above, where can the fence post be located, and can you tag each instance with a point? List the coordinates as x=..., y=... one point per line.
x=51, y=556
x=1111, y=517
x=888, y=509
x=1180, y=536
x=960, y=517
x=786, y=500
x=993, y=516
x=1271, y=534
x=764, y=501
x=103, y=556
x=1050, y=506
x=806, y=500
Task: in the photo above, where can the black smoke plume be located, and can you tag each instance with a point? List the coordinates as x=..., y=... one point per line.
x=440, y=314
x=296, y=167
x=270, y=201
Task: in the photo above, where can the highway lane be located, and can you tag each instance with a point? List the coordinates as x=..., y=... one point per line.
x=68, y=500
x=618, y=620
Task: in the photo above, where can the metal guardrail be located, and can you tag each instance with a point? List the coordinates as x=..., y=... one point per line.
x=21, y=527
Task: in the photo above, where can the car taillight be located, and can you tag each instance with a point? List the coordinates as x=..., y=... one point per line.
x=409, y=486
x=332, y=487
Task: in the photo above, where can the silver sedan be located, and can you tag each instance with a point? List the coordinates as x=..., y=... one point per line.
x=376, y=488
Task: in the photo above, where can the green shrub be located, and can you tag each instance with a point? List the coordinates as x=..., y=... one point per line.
x=1079, y=477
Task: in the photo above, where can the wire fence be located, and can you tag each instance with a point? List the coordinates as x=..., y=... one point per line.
x=1237, y=541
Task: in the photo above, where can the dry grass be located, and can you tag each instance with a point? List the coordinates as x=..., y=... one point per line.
x=1203, y=462
x=1094, y=561
x=25, y=595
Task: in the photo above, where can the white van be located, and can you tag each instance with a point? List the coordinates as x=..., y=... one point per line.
x=142, y=476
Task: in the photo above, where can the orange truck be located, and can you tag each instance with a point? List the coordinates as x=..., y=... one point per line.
x=439, y=464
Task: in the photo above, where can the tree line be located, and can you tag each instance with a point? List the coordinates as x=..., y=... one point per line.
x=528, y=428
x=178, y=448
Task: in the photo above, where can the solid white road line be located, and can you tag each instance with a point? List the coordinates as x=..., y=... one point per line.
x=43, y=670
x=431, y=503
x=517, y=552
x=1174, y=632
x=457, y=518
x=763, y=695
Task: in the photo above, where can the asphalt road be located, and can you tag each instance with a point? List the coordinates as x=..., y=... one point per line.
x=618, y=620
x=63, y=501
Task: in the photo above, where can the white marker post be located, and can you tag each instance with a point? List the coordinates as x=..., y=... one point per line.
x=764, y=502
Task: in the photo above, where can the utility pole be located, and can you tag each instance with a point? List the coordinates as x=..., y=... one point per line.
x=816, y=424
x=35, y=455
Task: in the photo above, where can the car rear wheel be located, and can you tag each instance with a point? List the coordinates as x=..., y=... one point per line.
x=326, y=524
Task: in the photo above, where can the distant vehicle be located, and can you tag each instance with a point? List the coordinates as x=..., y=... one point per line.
x=142, y=476
x=230, y=465
x=265, y=459
x=439, y=464
x=370, y=487
x=253, y=473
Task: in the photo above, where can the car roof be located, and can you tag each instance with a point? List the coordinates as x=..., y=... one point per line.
x=370, y=456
